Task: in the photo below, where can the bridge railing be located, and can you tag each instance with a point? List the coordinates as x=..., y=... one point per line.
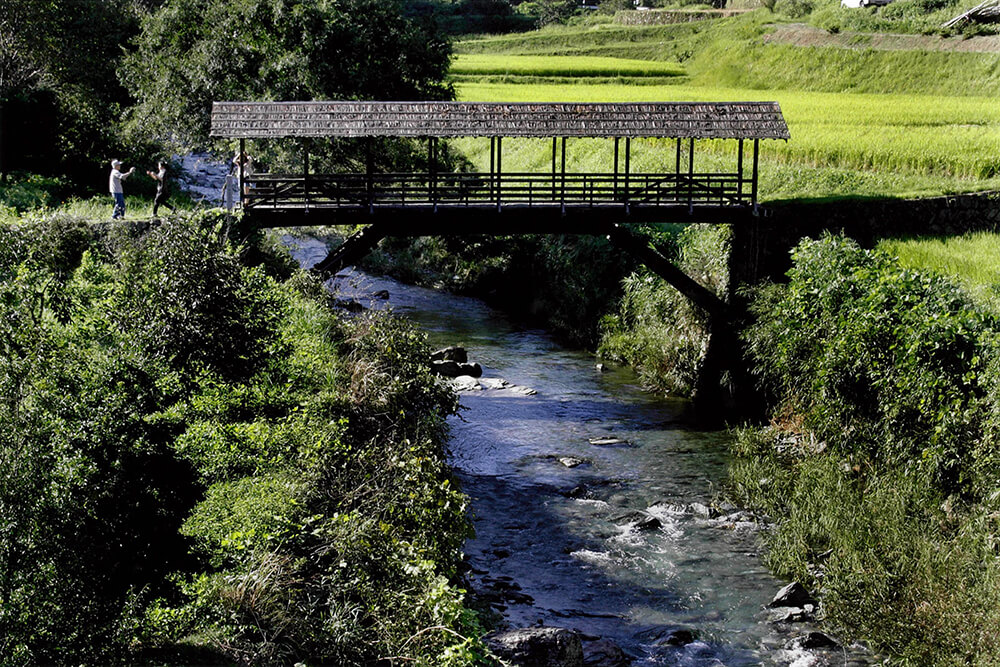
x=400, y=190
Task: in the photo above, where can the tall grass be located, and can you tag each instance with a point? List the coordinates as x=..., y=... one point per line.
x=972, y=259
x=903, y=144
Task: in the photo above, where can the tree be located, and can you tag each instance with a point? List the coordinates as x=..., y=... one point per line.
x=194, y=52
x=58, y=62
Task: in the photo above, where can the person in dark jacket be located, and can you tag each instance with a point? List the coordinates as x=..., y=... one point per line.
x=162, y=188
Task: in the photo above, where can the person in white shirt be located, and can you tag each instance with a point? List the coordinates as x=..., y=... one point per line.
x=229, y=189
x=115, y=186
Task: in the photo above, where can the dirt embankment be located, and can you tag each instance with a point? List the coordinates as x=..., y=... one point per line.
x=804, y=35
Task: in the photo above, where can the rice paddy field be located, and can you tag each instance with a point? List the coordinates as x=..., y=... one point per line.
x=902, y=139
x=972, y=260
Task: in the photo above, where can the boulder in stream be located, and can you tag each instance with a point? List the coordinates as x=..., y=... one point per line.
x=535, y=647
x=609, y=442
x=466, y=383
x=814, y=639
x=667, y=635
x=454, y=369
x=792, y=595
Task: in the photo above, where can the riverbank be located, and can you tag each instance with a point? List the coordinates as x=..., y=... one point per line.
x=879, y=465
x=204, y=462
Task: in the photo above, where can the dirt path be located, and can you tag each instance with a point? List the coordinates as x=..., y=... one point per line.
x=800, y=34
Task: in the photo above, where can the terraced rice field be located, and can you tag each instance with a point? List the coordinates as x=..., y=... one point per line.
x=843, y=143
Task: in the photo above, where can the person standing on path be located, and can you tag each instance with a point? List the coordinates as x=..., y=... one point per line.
x=229, y=189
x=246, y=162
x=162, y=190
x=115, y=187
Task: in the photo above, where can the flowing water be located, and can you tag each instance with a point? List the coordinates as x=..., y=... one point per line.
x=596, y=505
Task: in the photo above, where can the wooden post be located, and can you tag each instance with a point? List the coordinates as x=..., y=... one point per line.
x=614, y=187
x=562, y=195
x=739, y=172
x=691, y=175
x=305, y=171
x=369, y=176
x=499, y=171
x=554, y=143
x=753, y=191
x=493, y=157
x=628, y=158
x=432, y=168
x=677, y=167
x=243, y=185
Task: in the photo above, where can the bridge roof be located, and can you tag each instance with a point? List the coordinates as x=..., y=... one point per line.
x=698, y=120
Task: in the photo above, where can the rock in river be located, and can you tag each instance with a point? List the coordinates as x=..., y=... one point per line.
x=604, y=653
x=535, y=647
x=792, y=595
x=453, y=369
x=452, y=353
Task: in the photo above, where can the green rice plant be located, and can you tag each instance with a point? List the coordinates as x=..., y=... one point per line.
x=932, y=144
x=564, y=66
x=971, y=259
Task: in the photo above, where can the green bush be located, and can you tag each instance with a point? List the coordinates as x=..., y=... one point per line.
x=880, y=361
x=199, y=464
x=880, y=466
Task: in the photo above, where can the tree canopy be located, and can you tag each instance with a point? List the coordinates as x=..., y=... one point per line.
x=192, y=52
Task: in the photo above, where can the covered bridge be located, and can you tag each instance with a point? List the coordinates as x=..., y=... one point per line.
x=499, y=201
x=551, y=200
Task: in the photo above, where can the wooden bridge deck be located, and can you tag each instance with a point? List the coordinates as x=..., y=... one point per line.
x=279, y=199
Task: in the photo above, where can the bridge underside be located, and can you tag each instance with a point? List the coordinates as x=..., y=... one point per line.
x=474, y=220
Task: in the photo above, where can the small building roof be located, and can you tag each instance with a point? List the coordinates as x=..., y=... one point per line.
x=698, y=120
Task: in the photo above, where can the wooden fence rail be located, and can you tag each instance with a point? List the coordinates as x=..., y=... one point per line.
x=423, y=190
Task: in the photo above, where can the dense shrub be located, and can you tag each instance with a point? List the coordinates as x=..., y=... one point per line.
x=201, y=464
x=880, y=466
x=880, y=361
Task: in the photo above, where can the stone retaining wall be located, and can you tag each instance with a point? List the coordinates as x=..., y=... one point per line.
x=866, y=221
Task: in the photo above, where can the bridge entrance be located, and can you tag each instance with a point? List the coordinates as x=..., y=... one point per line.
x=499, y=201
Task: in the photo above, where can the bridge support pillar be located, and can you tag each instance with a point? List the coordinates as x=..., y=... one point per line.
x=725, y=384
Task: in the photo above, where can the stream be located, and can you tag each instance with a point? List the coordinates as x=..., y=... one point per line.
x=596, y=505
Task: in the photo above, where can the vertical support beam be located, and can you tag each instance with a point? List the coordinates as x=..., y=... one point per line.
x=305, y=171
x=243, y=185
x=691, y=175
x=432, y=168
x=554, y=144
x=493, y=157
x=739, y=172
x=369, y=174
x=499, y=171
x=562, y=195
x=677, y=166
x=614, y=187
x=628, y=159
x=753, y=190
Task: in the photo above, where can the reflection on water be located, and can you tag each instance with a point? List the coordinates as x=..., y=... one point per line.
x=614, y=540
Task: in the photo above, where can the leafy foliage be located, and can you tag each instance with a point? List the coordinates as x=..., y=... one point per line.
x=880, y=460
x=193, y=52
x=659, y=331
x=881, y=362
x=200, y=463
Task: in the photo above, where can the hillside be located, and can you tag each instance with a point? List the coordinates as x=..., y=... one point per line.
x=871, y=114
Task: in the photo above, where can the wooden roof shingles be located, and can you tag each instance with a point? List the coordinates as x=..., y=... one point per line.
x=698, y=120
